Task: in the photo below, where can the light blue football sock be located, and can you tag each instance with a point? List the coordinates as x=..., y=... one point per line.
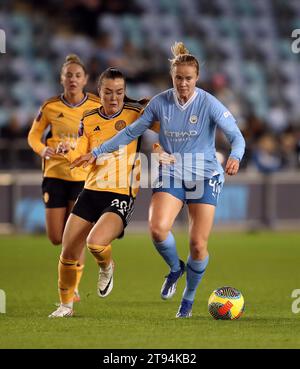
x=167, y=249
x=194, y=272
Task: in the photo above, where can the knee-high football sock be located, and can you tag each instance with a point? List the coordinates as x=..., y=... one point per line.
x=79, y=271
x=102, y=254
x=67, y=274
x=167, y=249
x=194, y=272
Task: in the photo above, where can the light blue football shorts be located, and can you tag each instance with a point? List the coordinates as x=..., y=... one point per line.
x=204, y=191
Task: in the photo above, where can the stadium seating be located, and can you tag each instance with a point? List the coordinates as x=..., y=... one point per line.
x=248, y=41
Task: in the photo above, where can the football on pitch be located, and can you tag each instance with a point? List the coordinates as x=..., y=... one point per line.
x=226, y=303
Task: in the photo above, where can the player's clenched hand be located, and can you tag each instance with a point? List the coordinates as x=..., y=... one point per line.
x=83, y=160
x=47, y=153
x=232, y=166
x=163, y=156
x=63, y=148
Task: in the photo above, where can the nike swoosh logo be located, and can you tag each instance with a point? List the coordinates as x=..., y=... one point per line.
x=103, y=292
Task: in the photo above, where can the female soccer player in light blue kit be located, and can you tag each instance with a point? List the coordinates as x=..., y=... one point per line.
x=188, y=119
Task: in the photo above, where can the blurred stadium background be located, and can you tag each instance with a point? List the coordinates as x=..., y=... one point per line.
x=245, y=49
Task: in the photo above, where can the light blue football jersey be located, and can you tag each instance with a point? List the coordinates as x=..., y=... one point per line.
x=187, y=131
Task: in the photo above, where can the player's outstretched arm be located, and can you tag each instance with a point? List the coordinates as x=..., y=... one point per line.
x=133, y=131
x=124, y=137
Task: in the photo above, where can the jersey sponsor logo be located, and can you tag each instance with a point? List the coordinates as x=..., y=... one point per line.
x=97, y=129
x=193, y=119
x=61, y=115
x=181, y=134
x=120, y=124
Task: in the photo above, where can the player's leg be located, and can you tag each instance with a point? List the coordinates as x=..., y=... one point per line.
x=201, y=217
x=55, y=224
x=56, y=208
x=72, y=190
x=163, y=211
x=109, y=227
x=74, y=237
x=80, y=264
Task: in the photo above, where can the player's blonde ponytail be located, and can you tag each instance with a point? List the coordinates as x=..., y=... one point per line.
x=73, y=59
x=179, y=49
x=182, y=56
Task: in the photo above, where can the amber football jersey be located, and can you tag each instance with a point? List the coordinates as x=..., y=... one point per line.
x=59, y=121
x=116, y=172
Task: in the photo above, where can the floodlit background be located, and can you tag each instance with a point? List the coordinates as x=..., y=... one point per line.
x=249, y=60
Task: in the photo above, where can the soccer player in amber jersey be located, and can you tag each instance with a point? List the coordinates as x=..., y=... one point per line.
x=58, y=121
x=104, y=207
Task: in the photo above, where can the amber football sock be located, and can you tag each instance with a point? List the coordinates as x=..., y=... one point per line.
x=67, y=277
x=79, y=271
x=102, y=254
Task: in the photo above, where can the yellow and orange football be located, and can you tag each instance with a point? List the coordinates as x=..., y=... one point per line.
x=226, y=303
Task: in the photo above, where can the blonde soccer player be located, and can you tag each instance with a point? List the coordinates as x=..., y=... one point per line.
x=58, y=121
x=188, y=119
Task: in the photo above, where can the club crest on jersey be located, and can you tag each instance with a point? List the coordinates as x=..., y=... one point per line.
x=193, y=119
x=120, y=124
x=80, y=129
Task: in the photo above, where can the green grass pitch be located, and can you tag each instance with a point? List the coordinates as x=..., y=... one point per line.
x=264, y=266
